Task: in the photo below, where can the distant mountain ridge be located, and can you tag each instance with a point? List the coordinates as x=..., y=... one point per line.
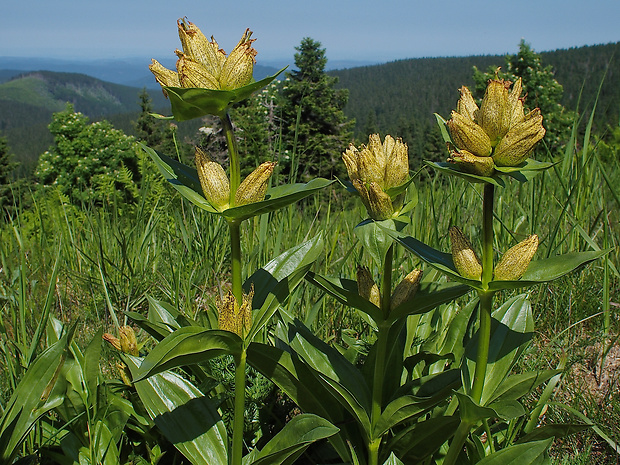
x=391, y=97
x=52, y=90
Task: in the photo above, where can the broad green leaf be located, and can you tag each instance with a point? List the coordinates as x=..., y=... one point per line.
x=408, y=407
x=342, y=379
x=156, y=330
x=186, y=346
x=183, y=414
x=429, y=296
x=274, y=282
x=528, y=165
x=393, y=460
x=189, y=103
x=512, y=328
x=375, y=236
x=516, y=386
x=182, y=177
x=548, y=269
x=286, y=446
x=455, y=170
x=104, y=447
x=530, y=453
x=300, y=383
x=554, y=430
x=420, y=440
x=345, y=291
x=34, y=396
x=471, y=412
x=277, y=197
x=185, y=180
x=90, y=370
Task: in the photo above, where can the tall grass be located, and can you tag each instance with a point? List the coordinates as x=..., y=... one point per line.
x=97, y=262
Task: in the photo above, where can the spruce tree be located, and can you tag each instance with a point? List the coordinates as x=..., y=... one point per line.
x=315, y=129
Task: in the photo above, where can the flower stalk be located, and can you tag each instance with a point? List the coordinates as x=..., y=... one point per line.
x=380, y=356
x=237, y=290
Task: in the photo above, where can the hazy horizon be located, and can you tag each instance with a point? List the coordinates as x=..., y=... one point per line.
x=361, y=31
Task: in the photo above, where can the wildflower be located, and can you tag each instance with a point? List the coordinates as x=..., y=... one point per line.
x=406, y=289
x=235, y=317
x=367, y=287
x=496, y=134
x=516, y=260
x=203, y=64
x=464, y=257
x=216, y=187
x=375, y=169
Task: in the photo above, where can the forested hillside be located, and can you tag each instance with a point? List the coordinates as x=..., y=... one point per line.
x=396, y=96
x=399, y=97
x=27, y=102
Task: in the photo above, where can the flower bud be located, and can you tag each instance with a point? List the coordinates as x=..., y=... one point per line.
x=203, y=64
x=515, y=147
x=397, y=162
x=516, y=103
x=213, y=180
x=198, y=48
x=193, y=74
x=245, y=312
x=481, y=166
x=112, y=339
x=164, y=76
x=234, y=317
x=129, y=343
x=238, y=68
x=516, y=260
x=466, y=105
x=367, y=287
x=406, y=289
x=380, y=205
x=254, y=186
x=495, y=111
x=465, y=259
x=467, y=135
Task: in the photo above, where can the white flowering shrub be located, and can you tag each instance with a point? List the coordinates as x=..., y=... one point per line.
x=89, y=162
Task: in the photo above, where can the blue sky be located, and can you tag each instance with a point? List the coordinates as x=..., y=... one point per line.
x=374, y=30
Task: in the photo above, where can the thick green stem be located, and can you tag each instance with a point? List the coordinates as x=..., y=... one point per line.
x=487, y=234
x=484, y=329
x=486, y=297
x=238, y=419
x=233, y=156
x=484, y=339
x=380, y=356
x=235, y=261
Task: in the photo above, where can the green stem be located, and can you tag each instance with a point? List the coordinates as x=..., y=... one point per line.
x=487, y=234
x=486, y=297
x=484, y=329
x=238, y=419
x=233, y=156
x=380, y=356
x=484, y=339
x=235, y=260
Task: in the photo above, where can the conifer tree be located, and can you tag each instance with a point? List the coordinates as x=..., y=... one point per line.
x=315, y=129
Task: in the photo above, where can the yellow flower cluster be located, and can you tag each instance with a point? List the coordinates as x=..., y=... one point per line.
x=374, y=169
x=203, y=64
x=499, y=133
